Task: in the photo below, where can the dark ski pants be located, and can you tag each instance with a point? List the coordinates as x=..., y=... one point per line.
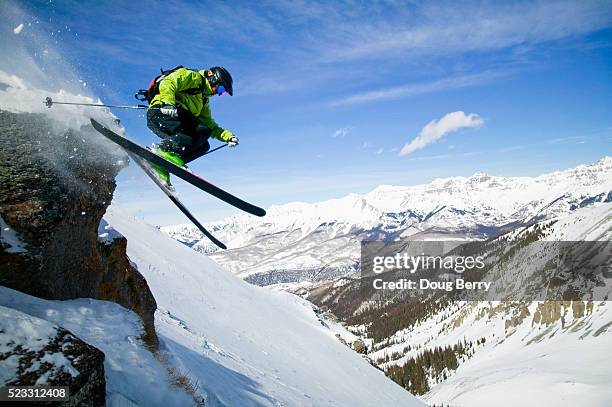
x=182, y=135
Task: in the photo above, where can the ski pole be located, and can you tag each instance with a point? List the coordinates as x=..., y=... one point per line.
x=49, y=102
x=215, y=149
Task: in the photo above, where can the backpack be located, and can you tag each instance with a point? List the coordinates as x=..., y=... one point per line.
x=153, y=88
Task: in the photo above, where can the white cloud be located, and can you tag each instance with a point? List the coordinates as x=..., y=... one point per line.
x=414, y=89
x=18, y=29
x=341, y=132
x=379, y=151
x=437, y=129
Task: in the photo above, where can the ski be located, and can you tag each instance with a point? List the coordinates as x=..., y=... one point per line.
x=185, y=175
x=145, y=167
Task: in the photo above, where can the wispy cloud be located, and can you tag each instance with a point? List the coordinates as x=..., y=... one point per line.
x=446, y=156
x=341, y=132
x=437, y=129
x=510, y=149
x=302, y=43
x=414, y=89
x=569, y=140
x=379, y=151
x=437, y=28
x=431, y=157
x=257, y=85
x=392, y=33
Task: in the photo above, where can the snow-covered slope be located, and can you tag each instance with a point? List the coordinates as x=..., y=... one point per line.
x=133, y=376
x=567, y=363
x=313, y=242
x=244, y=345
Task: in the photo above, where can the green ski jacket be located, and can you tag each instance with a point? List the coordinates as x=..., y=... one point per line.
x=198, y=104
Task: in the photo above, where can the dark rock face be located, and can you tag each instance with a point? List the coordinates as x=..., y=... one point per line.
x=54, y=189
x=41, y=353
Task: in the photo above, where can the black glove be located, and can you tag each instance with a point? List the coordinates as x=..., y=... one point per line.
x=169, y=110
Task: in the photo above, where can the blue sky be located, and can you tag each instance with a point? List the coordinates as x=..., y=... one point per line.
x=328, y=93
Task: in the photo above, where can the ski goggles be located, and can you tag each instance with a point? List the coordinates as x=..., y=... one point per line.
x=220, y=90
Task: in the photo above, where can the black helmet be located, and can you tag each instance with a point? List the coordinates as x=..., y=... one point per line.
x=218, y=75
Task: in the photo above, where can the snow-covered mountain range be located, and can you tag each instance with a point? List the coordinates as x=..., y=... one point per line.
x=301, y=242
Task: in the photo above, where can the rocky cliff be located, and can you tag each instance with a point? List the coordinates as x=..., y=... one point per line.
x=56, y=183
x=34, y=351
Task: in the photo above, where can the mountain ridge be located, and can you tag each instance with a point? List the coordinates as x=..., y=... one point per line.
x=280, y=247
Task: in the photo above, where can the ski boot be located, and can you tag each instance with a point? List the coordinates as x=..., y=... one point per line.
x=162, y=174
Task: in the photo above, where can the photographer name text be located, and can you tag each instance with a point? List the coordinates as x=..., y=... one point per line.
x=426, y=284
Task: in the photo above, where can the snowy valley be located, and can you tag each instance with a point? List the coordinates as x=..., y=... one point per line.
x=468, y=353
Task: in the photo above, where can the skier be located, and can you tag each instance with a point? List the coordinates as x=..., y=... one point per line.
x=180, y=115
